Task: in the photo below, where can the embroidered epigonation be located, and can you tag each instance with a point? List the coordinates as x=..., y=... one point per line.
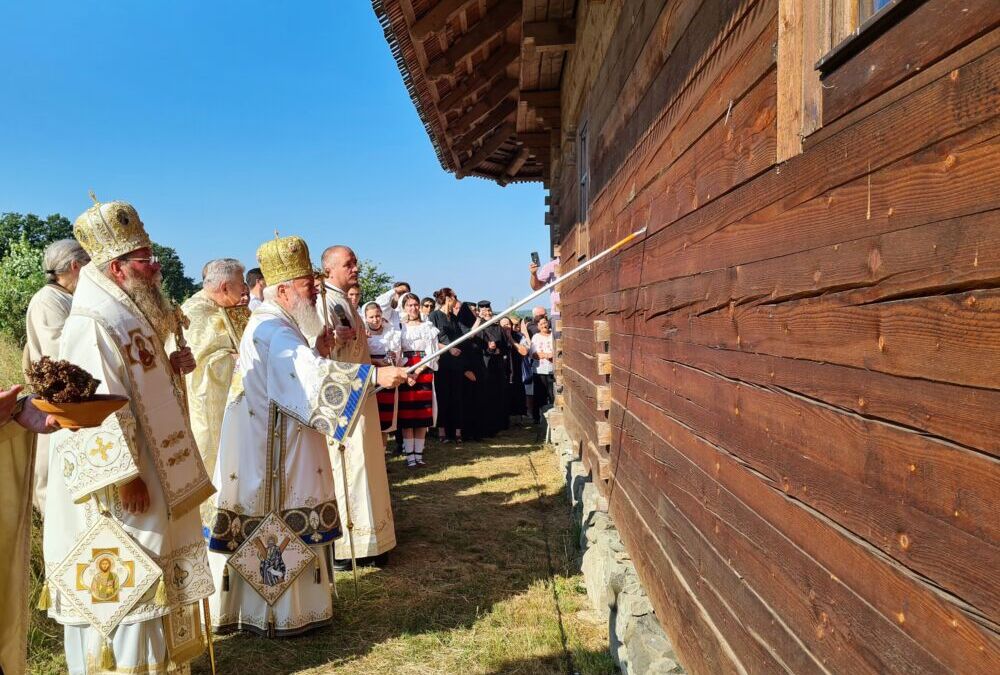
x=314, y=525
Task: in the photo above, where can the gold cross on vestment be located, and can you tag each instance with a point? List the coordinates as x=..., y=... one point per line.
x=101, y=449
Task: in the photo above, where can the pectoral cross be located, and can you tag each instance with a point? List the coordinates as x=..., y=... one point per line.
x=101, y=449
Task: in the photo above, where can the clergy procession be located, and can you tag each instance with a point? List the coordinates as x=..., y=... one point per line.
x=235, y=457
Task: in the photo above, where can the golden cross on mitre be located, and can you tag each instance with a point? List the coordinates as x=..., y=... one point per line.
x=93, y=196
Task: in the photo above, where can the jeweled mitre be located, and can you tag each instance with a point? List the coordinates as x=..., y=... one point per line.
x=283, y=259
x=110, y=229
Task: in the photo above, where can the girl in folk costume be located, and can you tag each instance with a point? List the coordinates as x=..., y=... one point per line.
x=417, y=407
x=384, y=348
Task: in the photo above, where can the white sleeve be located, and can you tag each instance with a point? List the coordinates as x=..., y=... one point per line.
x=323, y=394
x=430, y=338
x=385, y=301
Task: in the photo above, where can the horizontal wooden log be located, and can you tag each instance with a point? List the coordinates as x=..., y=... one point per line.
x=765, y=217
x=700, y=643
x=904, y=50
x=907, y=337
x=820, y=610
x=887, y=587
x=954, y=414
x=825, y=459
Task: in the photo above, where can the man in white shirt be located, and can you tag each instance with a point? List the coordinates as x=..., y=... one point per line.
x=256, y=284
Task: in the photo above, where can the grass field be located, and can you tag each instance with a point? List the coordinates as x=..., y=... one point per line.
x=484, y=581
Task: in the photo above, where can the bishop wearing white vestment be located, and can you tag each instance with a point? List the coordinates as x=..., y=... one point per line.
x=141, y=467
x=368, y=482
x=286, y=401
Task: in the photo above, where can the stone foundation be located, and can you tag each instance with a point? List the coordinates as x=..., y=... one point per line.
x=637, y=642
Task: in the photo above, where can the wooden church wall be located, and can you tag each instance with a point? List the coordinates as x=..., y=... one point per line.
x=802, y=447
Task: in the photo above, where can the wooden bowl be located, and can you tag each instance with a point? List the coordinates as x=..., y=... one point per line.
x=82, y=415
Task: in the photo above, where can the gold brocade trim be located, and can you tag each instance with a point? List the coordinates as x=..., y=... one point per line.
x=170, y=668
x=180, y=499
x=185, y=638
x=194, y=499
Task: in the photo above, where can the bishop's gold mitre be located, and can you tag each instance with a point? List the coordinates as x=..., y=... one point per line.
x=110, y=229
x=283, y=259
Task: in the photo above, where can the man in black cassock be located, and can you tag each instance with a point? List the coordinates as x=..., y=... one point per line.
x=496, y=358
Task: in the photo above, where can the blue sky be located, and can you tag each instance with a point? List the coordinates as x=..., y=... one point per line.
x=221, y=121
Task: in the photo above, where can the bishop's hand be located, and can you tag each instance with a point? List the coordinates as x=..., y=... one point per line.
x=182, y=361
x=325, y=342
x=134, y=496
x=391, y=377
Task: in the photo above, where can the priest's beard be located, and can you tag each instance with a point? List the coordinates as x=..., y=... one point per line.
x=304, y=313
x=152, y=302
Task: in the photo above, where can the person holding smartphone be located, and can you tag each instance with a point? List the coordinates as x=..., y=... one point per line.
x=543, y=274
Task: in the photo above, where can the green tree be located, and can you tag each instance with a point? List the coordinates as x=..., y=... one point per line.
x=372, y=280
x=177, y=285
x=38, y=232
x=20, y=276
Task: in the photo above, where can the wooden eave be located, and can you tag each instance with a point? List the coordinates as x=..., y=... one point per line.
x=487, y=95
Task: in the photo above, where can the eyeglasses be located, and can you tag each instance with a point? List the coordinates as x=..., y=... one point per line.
x=150, y=260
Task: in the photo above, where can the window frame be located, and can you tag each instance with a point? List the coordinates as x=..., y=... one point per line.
x=583, y=172
x=815, y=37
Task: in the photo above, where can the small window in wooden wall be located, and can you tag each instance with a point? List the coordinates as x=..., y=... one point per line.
x=868, y=8
x=809, y=33
x=583, y=172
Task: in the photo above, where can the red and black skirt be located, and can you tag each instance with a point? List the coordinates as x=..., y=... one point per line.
x=386, y=404
x=416, y=403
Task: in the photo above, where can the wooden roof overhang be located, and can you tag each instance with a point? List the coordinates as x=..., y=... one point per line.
x=484, y=76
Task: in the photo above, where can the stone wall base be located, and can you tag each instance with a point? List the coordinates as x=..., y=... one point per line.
x=637, y=642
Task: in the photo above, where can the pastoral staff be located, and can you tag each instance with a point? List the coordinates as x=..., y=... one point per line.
x=153, y=480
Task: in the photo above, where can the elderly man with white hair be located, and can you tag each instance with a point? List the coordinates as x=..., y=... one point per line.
x=274, y=473
x=214, y=337
x=47, y=312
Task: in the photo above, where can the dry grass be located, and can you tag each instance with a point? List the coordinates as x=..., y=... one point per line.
x=10, y=363
x=484, y=580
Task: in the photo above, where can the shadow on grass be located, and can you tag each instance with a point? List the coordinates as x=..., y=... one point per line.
x=470, y=537
x=589, y=661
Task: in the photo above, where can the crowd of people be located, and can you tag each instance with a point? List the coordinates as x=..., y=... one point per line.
x=475, y=388
x=256, y=425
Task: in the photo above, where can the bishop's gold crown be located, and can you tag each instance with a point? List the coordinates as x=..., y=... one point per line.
x=110, y=229
x=283, y=259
